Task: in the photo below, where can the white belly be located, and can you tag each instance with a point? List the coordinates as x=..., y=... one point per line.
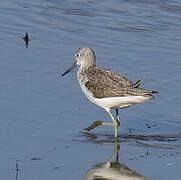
x=113, y=102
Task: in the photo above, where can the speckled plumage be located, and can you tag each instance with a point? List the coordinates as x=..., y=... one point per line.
x=106, y=88
x=106, y=83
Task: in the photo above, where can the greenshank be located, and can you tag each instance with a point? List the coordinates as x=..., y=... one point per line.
x=112, y=169
x=106, y=88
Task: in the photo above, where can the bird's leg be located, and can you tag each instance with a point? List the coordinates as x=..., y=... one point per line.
x=117, y=117
x=115, y=153
x=98, y=123
x=115, y=124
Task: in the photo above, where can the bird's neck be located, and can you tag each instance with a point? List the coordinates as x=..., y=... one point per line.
x=86, y=66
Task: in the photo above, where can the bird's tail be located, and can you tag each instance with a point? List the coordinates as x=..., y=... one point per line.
x=141, y=92
x=135, y=90
x=154, y=92
x=136, y=84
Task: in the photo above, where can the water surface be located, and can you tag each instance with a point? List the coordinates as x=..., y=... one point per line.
x=43, y=115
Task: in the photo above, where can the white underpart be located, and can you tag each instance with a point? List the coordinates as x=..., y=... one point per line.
x=104, y=171
x=113, y=102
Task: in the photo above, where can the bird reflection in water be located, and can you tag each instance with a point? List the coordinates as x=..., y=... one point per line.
x=112, y=170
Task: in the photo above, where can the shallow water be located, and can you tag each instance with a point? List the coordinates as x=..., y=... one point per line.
x=43, y=115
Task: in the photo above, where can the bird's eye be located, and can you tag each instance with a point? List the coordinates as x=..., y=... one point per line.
x=77, y=55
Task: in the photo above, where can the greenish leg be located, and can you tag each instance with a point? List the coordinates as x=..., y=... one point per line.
x=115, y=124
x=117, y=117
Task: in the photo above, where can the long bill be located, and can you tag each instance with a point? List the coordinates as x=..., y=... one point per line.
x=70, y=69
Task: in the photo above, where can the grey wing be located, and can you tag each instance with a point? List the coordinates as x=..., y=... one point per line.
x=118, y=78
x=105, y=83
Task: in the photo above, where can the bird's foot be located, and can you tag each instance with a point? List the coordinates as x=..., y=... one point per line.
x=98, y=123
x=93, y=125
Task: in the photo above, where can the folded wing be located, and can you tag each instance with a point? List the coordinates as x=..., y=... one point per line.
x=105, y=83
